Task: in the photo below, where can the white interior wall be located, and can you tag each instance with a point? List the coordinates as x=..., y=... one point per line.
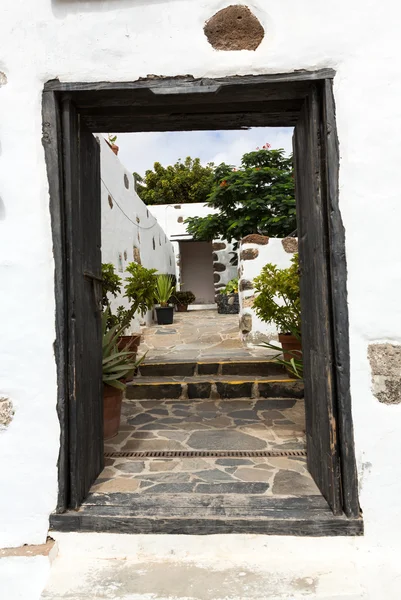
x=119, y=40
x=274, y=253
x=128, y=224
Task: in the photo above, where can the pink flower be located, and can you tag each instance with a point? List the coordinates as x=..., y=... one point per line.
x=267, y=146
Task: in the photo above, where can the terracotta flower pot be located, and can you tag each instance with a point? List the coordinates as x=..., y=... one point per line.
x=182, y=307
x=112, y=398
x=289, y=344
x=131, y=342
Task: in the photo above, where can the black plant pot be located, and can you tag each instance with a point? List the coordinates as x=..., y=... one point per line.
x=165, y=315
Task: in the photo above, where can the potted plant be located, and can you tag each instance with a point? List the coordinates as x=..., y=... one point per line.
x=278, y=301
x=111, y=142
x=183, y=300
x=117, y=366
x=111, y=284
x=228, y=299
x=140, y=284
x=163, y=292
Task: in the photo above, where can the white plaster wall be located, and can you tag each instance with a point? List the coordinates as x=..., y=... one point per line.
x=129, y=224
x=172, y=216
x=118, y=40
x=273, y=252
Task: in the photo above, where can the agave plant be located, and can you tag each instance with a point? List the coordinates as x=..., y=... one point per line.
x=295, y=364
x=164, y=289
x=117, y=364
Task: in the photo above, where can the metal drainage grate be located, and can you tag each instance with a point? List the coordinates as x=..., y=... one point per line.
x=205, y=454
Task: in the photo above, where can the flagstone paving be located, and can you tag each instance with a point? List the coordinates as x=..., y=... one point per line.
x=214, y=425
x=197, y=334
x=267, y=476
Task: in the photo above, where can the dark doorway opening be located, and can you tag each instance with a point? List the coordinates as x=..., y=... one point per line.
x=304, y=100
x=196, y=266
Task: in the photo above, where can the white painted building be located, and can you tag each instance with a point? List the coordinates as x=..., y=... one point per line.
x=130, y=233
x=121, y=40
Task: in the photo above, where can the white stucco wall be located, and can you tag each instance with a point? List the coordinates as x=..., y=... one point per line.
x=272, y=252
x=120, y=40
x=128, y=224
x=172, y=216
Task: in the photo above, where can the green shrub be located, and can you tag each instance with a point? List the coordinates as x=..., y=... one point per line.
x=231, y=287
x=140, y=288
x=277, y=297
x=184, y=298
x=111, y=283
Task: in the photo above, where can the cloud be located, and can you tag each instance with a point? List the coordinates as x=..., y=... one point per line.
x=138, y=151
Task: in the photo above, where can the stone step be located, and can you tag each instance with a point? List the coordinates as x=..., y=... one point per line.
x=217, y=386
x=257, y=367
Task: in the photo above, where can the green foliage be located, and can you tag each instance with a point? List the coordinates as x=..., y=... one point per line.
x=112, y=138
x=257, y=197
x=277, y=296
x=111, y=283
x=140, y=287
x=182, y=182
x=116, y=364
x=184, y=298
x=231, y=287
x=295, y=365
x=164, y=289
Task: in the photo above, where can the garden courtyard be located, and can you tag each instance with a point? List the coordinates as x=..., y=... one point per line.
x=197, y=334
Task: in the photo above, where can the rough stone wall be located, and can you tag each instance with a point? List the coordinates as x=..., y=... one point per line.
x=254, y=252
x=223, y=270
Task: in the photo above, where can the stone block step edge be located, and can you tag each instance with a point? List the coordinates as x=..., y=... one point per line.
x=215, y=390
x=189, y=368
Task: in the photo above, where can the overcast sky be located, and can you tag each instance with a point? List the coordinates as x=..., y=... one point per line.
x=138, y=151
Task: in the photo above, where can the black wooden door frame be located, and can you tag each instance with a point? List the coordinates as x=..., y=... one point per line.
x=184, y=103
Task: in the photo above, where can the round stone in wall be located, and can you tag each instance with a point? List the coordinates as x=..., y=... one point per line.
x=218, y=246
x=180, y=220
x=245, y=323
x=219, y=267
x=216, y=277
x=290, y=245
x=245, y=284
x=249, y=254
x=255, y=238
x=110, y=199
x=126, y=181
x=234, y=28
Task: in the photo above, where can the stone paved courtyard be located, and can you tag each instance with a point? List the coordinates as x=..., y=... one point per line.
x=197, y=334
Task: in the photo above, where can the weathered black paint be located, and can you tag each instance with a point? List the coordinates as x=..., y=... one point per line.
x=315, y=284
x=200, y=514
x=85, y=395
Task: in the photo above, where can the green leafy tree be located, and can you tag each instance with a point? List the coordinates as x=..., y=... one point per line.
x=183, y=182
x=258, y=197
